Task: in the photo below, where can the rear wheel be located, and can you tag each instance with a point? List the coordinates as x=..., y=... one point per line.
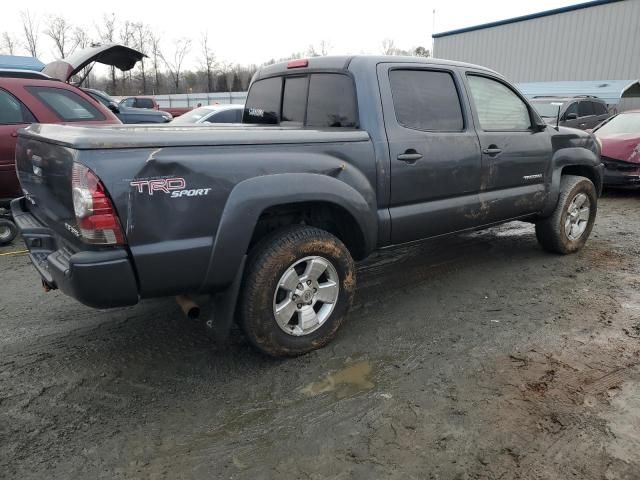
x=568, y=228
x=297, y=291
x=8, y=231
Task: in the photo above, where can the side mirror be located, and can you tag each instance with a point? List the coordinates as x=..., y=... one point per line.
x=571, y=116
x=541, y=126
x=114, y=107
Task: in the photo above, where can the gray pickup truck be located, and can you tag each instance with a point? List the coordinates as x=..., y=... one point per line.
x=340, y=156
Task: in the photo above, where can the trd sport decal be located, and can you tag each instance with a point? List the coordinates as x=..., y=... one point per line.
x=175, y=186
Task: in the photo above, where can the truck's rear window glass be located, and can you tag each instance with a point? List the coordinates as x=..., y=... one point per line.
x=263, y=102
x=332, y=101
x=67, y=105
x=426, y=100
x=294, y=99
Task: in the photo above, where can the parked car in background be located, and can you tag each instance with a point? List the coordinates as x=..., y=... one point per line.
x=620, y=138
x=212, y=114
x=268, y=220
x=151, y=103
x=31, y=97
x=575, y=112
x=129, y=114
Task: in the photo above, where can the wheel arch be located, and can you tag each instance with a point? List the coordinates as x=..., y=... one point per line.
x=302, y=194
x=572, y=161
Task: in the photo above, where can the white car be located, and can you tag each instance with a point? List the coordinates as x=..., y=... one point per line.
x=212, y=114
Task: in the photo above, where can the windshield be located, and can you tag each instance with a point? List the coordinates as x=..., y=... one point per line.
x=547, y=109
x=194, y=116
x=624, y=123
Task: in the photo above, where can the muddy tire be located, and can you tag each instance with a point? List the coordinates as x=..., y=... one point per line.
x=296, y=292
x=8, y=231
x=568, y=228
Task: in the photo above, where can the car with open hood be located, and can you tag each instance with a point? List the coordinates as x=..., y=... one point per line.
x=130, y=115
x=28, y=96
x=620, y=138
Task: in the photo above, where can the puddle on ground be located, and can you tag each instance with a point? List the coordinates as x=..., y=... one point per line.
x=345, y=382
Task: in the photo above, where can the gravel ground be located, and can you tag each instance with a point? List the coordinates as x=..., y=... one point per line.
x=472, y=357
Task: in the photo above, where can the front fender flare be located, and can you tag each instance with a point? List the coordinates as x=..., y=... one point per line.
x=571, y=157
x=251, y=197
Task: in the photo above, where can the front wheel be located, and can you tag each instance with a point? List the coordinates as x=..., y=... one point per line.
x=297, y=290
x=569, y=226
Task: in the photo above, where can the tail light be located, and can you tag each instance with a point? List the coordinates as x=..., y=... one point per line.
x=95, y=215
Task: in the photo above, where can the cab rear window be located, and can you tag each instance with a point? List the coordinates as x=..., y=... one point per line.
x=67, y=105
x=317, y=100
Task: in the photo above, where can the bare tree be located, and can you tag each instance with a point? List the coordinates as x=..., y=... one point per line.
x=388, y=47
x=141, y=43
x=8, y=43
x=244, y=74
x=325, y=47
x=174, y=65
x=126, y=37
x=31, y=35
x=156, y=56
x=421, y=52
x=229, y=76
x=107, y=34
x=81, y=40
x=208, y=60
x=61, y=32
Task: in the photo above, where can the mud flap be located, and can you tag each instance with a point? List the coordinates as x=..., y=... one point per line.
x=222, y=307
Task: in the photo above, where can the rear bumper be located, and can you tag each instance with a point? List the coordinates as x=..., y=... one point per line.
x=99, y=279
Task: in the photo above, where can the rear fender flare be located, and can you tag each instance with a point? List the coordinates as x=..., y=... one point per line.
x=251, y=197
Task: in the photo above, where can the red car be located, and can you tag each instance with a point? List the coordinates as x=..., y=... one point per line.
x=620, y=138
x=45, y=97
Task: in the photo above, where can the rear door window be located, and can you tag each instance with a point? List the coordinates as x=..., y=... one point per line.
x=585, y=108
x=13, y=111
x=599, y=108
x=144, y=103
x=263, y=102
x=426, y=100
x=67, y=105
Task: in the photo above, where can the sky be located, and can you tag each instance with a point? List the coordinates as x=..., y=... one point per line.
x=254, y=31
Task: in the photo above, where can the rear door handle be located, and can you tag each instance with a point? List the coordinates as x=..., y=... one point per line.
x=410, y=156
x=14, y=133
x=492, y=151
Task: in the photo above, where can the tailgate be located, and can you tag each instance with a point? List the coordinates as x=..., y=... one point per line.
x=44, y=171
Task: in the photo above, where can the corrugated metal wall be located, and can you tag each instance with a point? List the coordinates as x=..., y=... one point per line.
x=595, y=43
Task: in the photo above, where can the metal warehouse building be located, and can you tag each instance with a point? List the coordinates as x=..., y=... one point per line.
x=593, y=41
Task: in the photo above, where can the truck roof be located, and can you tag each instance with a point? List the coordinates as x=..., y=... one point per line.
x=342, y=63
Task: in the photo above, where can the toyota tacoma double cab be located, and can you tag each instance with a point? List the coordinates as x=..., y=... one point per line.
x=340, y=156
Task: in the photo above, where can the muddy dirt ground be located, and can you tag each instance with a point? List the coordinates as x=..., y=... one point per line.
x=472, y=357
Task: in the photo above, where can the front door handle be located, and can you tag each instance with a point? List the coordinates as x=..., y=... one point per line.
x=14, y=133
x=492, y=150
x=410, y=156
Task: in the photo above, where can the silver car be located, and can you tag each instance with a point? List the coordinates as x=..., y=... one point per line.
x=211, y=114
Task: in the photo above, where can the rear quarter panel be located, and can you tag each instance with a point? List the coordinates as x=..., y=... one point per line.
x=171, y=237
